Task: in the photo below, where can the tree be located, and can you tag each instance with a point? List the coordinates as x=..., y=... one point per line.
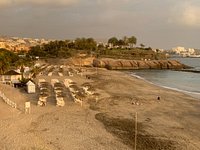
x=7, y=59
x=113, y=41
x=35, y=71
x=64, y=49
x=85, y=44
x=38, y=51
x=91, y=44
x=121, y=43
x=125, y=39
x=101, y=47
x=132, y=41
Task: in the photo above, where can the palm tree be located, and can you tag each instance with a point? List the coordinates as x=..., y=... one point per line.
x=132, y=41
x=35, y=71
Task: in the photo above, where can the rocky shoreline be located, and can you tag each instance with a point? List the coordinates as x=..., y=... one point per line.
x=122, y=64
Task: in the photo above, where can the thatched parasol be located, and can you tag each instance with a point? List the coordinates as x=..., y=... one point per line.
x=58, y=88
x=43, y=84
x=96, y=94
x=71, y=70
x=44, y=90
x=58, y=84
x=86, y=84
x=74, y=87
x=72, y=83
x=61, y=94
x=80, y=96
x=91, y=89
x=44, y=95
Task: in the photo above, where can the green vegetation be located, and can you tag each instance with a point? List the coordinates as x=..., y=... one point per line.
x=115, y=48
x=9, y=60
x=124, y=48
x=125, y=42
x=134, y=53
x=114, y=41
x=64, y=49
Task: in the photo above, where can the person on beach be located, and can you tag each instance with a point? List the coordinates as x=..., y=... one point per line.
x=158, y=98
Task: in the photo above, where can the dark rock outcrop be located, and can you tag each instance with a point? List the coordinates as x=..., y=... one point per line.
x=121, y=64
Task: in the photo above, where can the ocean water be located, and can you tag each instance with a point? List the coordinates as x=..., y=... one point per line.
x=187, y=82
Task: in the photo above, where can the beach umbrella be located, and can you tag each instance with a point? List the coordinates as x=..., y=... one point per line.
x=86, y=84
x=96, y=94
x=44, y=95
x=58, y=87
x=81, y=90
x=61, y=94
x=58, y=84
x=80, y=96
x=44, y=90
x=43, y=84
x=71, y=83
x=74, y=87
x=91, y=89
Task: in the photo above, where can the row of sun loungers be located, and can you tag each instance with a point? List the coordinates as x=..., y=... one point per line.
x=74, y=89
x=62, y=70
x=44, y=89
x=59, y=92
x=79, y=94
x=44, y=92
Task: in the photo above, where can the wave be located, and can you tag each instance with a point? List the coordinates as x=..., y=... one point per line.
x=191, y=93
x=139, y=77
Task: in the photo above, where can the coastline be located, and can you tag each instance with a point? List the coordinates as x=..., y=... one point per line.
x=109, y=122
x=193, y=94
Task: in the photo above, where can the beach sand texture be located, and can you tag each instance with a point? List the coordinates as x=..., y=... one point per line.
x=106, y=123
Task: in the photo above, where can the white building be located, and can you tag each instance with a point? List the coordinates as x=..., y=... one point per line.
x=30, y=87
x=179, y=50
x=183, y=51
x=11, y=77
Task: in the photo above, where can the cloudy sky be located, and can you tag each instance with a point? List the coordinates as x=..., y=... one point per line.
x=155, y=23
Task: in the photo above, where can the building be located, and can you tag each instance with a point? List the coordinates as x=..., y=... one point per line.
x=30, y=87
x=2, y=45
x=20, y=44
x=11, y=77
x=179, y=50
x=183, y=51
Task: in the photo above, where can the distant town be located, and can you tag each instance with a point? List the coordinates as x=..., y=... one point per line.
x=185, y=52
x=17, y=44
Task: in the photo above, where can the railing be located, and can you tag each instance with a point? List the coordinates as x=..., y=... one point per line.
x=7, y=100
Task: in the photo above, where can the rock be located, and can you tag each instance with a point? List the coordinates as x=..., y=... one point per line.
x=121, y=64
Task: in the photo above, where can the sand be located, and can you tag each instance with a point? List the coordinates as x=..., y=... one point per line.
x=106, y=123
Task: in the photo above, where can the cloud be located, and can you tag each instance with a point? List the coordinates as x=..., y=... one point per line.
x=187, y=14
x=4, y=3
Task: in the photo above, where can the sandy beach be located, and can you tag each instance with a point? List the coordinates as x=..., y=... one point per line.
x=106, y=123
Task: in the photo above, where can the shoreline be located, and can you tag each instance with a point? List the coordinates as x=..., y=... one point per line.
x=107, y=123
x=193, y=94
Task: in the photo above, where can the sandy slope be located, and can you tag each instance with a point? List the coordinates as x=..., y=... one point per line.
x=171, y=123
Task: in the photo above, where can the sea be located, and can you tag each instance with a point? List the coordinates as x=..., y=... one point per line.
x=186, y=82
